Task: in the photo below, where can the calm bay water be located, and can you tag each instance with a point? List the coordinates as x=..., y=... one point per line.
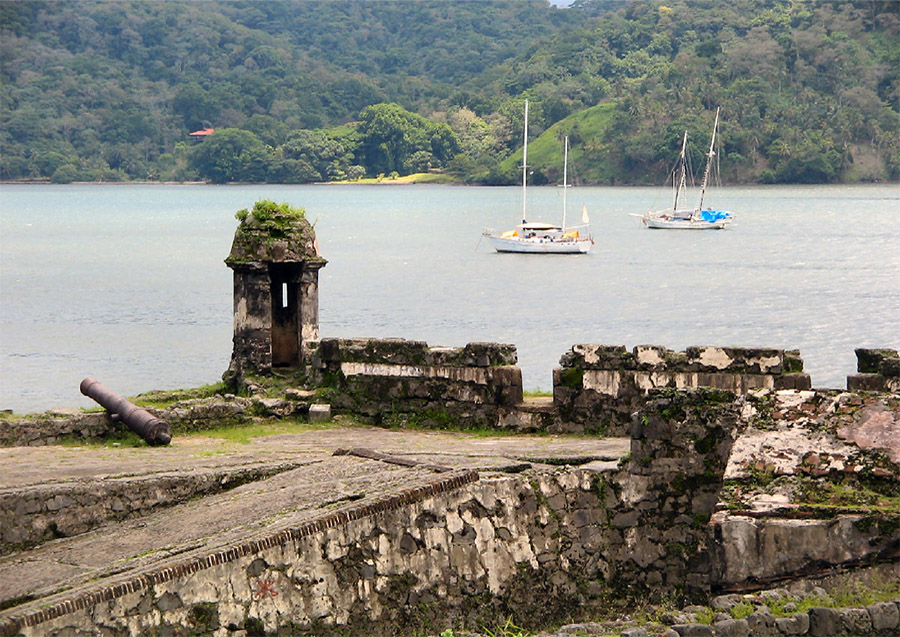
x=127, y=283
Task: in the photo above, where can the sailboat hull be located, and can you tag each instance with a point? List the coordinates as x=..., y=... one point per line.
x=540, y=245
x=660, y=223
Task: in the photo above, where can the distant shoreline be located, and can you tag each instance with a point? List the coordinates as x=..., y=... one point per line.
x=399, y=181
x=408, y=180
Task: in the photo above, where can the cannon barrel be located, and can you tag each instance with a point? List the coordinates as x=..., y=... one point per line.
x=138, y=420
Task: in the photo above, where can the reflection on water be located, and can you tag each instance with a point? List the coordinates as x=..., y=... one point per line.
x=128, y=284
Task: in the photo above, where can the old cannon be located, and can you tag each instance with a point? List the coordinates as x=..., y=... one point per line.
x=138, y=420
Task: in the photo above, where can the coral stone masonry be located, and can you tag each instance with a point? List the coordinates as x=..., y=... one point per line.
x=427, y=529
x=395, y=380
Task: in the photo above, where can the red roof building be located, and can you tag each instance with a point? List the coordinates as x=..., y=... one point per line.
x=203, y=132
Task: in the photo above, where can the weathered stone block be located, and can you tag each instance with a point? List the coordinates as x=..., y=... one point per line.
x=735, y=360
x=299, y=395
x=278, y=407
x=598, y=357
x=884, y=615
x=397, y=351
x=726, y=602
x=794, y=380
x=59, y=502
x=319, y=412
x=796, y=624
x=732, y=628
x=489, y=354
x=869, y=361
x=890, y=367
x=651, y=357
x=866, y=382
x=606, y=382
x=855, y=621
x=625, y=519
x=762, y=623
x=693, y=630
x=824, y=622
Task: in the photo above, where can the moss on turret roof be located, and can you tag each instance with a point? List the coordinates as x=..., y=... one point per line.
x=273, y=233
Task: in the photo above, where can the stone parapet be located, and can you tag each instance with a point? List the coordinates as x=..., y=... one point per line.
x=400, y=379
x=53, y=427
x=600, y=386
x=656, y=358
x=878, y=370
x=399, y=351
x=32, y=515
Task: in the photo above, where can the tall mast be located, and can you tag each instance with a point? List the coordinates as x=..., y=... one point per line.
x=565, y=180
x=525, y=162
x=709, y=157
x=682, y=179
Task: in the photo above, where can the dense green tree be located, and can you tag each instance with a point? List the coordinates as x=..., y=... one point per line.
x=231, y=155
x=322, y=157
x=393, y=139
x=267, y=128
x=810, y=158
x=65, y=174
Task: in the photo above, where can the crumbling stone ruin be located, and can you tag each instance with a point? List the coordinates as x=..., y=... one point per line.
x=677, y=518
x=598, y=387
x=728, y=475
x=877, y=370
x=394, y=380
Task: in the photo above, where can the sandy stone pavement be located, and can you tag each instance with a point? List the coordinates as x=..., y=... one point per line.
x=23, y=466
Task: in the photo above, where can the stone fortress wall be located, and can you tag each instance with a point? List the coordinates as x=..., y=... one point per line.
x=535, y=544
x=596, y=389
x=600, y=386
x=576, y=535
x=539, y=542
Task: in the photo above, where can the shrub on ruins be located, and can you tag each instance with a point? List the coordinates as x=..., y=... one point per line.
x=267, y=212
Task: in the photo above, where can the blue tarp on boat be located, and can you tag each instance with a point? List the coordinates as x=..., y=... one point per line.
x=714, y=215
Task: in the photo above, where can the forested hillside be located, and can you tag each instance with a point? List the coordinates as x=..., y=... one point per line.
x=300, y=91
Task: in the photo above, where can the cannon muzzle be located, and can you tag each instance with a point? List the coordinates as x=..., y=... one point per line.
x=138, y=420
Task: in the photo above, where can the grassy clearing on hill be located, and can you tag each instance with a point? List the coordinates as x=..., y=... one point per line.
x=588, y=156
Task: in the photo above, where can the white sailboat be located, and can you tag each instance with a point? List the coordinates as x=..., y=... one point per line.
x=543, y=238
x=684, y=218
